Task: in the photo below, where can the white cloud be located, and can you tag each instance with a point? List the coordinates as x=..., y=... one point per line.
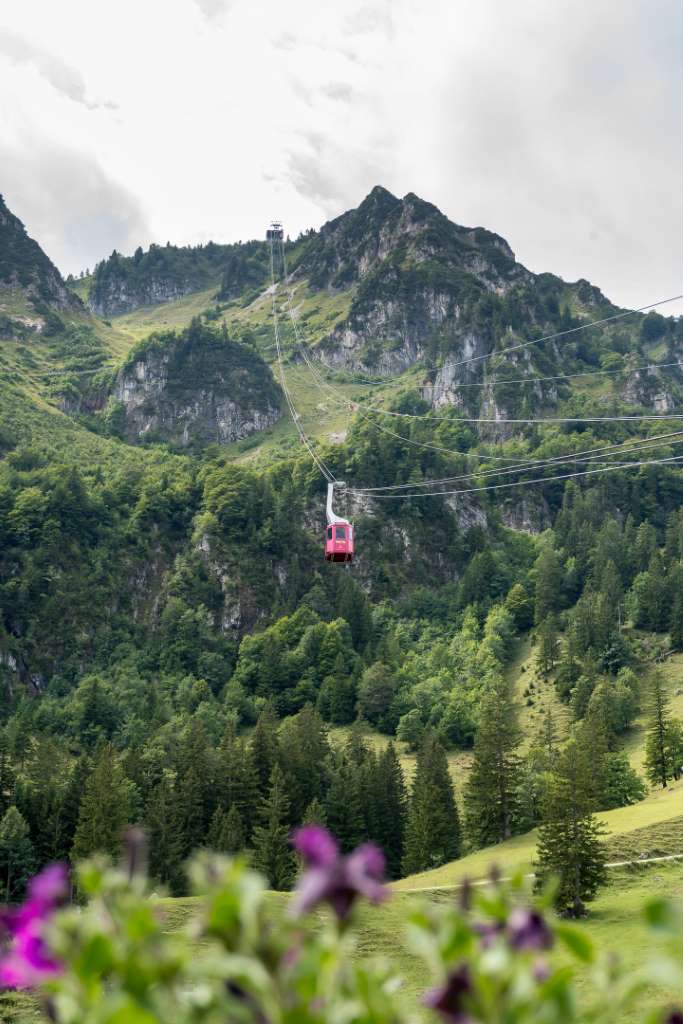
x=556, y=126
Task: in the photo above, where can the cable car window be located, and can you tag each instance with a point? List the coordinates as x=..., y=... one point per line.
x=329, y=533
x=341, y=533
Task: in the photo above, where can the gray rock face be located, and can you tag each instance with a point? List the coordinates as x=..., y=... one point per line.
x=193, y=389
x=155, y=409
x=120, y=295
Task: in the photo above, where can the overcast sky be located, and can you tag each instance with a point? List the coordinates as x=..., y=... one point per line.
x=558, y=125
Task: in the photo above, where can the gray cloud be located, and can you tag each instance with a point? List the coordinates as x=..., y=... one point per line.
x=61, y=76
x=214, y=8
x=69, y=204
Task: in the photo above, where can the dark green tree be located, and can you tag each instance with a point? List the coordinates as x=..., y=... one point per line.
x=227, y=834
x=569, y=840
x=658, y=766
x=548, y=583
x=17, y=856
x=433, y=825
x=491, y=791
x=105, y=807
x=272, y=851
x=162, y=822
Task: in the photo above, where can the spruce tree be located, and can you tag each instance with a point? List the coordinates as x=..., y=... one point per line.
x=491, y=792
x=227, y=833
x=264, y=749
x=548, y=583
x=569, y=846
x=105, y=807
x=433, y=826
x=272, y=851
x=164, y=835
x=344, y=804
x=315, y=814
x=548, y=645
x=390, y=800
x=657, y=767
x=237, y=781
x=17, y=856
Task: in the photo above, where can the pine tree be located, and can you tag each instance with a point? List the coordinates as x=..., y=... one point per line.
x=237, y=781
x=345, y=804
x=433, y=825
x=657, y=767
x=105, y=807
x=164, y=835
x=227, y=834
x=548, y=583
x=264, y=749
x=569, y=846
x=17, y=856
x=389, y=793
x=315, y=814
x=491, y=792
x=548, y=645
x=272, y=852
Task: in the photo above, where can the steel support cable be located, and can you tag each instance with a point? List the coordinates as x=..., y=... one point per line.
x=361, y=491
x=547, y=337
x=521, y=483
x=477, y=419
x=521, y=466
x=329, y=476
x=555, y=463
x=499, y=382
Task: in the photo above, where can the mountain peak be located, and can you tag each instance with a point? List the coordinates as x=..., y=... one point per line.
x=23, y=264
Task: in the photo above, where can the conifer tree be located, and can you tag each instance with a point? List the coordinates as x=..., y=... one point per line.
x=162, y=822
x=389, y=798
x=657, y=758
x=569, y=846
x=344, y=804
x=548, y=583
x=105, y=807
x=315, y=814
x=491, y=791
x=17, y=856
x=227, y=834
x=548, y=645
x=272, y=851
x=676, y=612
x=237, y=781
x=433, y=825
x=264, y=748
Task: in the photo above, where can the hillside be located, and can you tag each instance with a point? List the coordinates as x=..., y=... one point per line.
x=173, y=647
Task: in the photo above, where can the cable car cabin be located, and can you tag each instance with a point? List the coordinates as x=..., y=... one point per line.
x=339, y=542
x=275, y=232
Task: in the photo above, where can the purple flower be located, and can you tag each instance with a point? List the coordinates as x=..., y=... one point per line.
x=331, y=878
x=528, y=930
x=28, y=961
x=450, y=1000
x=488, y=931
x=674, y=1016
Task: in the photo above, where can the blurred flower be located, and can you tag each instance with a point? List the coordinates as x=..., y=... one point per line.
x=331, y=878
x=528, y=930
x=674, y=1017
x=488, y=931
x=450, y=999
x=28, y=961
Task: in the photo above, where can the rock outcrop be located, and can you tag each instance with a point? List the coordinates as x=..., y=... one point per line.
x=192, y=389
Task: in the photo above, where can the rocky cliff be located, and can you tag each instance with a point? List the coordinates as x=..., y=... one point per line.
x=24, y=265
x=163, y=273
x=192, y=389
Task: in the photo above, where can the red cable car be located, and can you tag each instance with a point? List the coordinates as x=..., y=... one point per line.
x=339, y=539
